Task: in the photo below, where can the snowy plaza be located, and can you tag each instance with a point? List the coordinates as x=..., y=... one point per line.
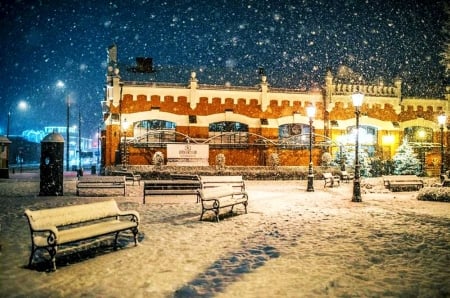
x=292, y=243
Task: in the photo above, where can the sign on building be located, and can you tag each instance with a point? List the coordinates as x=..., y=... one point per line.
x=187, y=154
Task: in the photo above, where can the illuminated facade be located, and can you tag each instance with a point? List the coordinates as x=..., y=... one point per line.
x=248, y=123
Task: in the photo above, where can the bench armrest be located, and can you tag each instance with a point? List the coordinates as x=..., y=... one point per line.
x=240, y=194
x=134, y=215
x=48, y=234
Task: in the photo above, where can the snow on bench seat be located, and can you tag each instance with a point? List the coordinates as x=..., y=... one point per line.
x=57, y=226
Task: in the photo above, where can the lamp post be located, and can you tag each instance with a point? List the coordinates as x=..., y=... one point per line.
x=22, y=105
x=357, y=99
x=7, y=127
x=80, y=166
x=442, y=118
x=124, y=154
x=310, y=111
x=67, y=133
x=98, y=146
x=60, y=85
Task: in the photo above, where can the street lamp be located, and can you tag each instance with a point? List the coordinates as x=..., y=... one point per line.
x=125, y=125
x=357, y=99
x=442, y=118
x=60, y=85
x=310, y=111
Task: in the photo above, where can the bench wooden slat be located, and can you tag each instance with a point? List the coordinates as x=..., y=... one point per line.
x=175, y=187
x=57, y=226
x=215, y=181
x=95, y=182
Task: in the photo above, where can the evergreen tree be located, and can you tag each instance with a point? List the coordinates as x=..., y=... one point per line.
x=405, y=160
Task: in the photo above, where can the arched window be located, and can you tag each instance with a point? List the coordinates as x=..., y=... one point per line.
x=295, y=134
x=228, y=132
x=419, y=134
x=154, y=131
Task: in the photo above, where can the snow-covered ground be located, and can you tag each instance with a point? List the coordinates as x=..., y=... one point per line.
x=292, y=243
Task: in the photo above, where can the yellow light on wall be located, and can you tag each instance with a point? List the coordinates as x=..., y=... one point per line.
x=388, y=140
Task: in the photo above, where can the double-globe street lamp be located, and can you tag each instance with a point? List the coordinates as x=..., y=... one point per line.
x=310, y=111
x=442, y=118
x=357, y=99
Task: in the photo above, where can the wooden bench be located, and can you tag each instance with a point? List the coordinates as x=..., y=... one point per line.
x=346, y=177
x=129, y=176
x=402, y=182
x=53, y=227
x=96, y=182
x=173, y=187
x=214, y=181
x=213, y=199
x=330, y=180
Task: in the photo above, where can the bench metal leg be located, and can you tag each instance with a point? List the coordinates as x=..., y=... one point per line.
x=135, y=233
x=115, y=240
x=30, y=261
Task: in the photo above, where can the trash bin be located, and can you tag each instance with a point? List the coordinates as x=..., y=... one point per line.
x=93, y=170
x=51, y=165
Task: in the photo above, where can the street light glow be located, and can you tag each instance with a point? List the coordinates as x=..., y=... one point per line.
x=60, y=84
x=442, y=118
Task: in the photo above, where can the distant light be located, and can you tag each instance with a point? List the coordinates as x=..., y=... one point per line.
x=125, y=124
x=388, y=140
x=23, y=105
x=442, y=118
x=421, y=134
x=311, y=111
x=357, y=99
x=60, y=84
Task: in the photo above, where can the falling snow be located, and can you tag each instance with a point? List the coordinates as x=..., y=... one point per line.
x=295, y=42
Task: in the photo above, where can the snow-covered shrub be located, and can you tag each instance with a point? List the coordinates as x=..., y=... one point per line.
x=220, y=162
x=274, y=160
x=326, y=159
x=158, y=159
x=405, y=160
x=441, y=194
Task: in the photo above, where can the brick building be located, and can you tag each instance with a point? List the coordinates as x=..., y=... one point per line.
x=247, y=120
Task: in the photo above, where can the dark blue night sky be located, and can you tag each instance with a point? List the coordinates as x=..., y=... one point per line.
x=294, y=41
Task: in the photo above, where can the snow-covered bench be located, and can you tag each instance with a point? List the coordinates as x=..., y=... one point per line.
x=96, y=182
x=53, y=227
x=129, y=176
x=346, y=177
x=402, y=182
x=330, y=180
x=215, y=198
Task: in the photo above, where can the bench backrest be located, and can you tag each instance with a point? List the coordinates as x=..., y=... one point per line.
x=327, y=176
x=68, y=215
x=171, y=184
x=221, y=179
x=216, y=192
x=101, y=179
